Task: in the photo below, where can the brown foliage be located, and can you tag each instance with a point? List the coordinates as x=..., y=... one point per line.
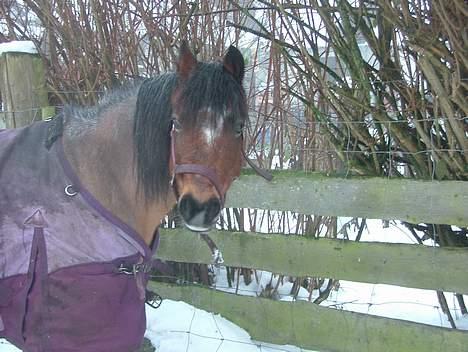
x=90, y=46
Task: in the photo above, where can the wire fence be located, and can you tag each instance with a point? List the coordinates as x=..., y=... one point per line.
x=333, y=118
x=360, y=305
x=434, y=310
x=302, y=124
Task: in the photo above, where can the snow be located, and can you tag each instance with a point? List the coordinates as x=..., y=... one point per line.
x=177, y=326
x=6, y=347
x=391, y=233
x=18, y=46
x=416, y=305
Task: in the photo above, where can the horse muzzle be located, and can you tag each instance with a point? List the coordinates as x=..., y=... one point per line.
x=199, y=216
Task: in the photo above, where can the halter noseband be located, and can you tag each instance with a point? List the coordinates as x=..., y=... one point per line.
x=197, y=169
x=207, y=171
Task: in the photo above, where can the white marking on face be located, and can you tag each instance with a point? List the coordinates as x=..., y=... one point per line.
x=209, y=133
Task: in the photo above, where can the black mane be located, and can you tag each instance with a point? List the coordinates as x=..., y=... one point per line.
x=208, y=86
x=151, y=134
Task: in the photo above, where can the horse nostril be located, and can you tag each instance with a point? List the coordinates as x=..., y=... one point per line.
x=187, y=207
x=197, y=214
x=213, y=208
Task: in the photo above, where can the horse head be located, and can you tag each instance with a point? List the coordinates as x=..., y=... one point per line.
x=209, y=111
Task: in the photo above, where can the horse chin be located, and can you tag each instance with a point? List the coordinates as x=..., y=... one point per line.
x=197, y=228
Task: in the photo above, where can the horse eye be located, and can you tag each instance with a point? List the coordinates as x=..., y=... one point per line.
x=175, y=124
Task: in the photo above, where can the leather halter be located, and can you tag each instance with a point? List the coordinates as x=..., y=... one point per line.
x=206, y=171
x=197, y=169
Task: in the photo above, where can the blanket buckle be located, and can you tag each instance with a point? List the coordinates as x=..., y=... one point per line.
x=134, y=268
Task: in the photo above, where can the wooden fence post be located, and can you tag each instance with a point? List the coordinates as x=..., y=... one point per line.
x=23, y=89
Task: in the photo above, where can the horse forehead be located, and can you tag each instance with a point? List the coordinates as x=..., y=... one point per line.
x=213, y=125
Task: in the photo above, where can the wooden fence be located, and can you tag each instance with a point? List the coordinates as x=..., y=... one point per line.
x=303, y=323
x=23, y=90
x=311, y=326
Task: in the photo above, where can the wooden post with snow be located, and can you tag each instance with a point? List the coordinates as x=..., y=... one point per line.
x=22, y=85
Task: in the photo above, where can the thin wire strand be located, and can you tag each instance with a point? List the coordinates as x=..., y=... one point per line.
x=258, y=345
x=334, y=118
x=256, y=293
x=190, y=329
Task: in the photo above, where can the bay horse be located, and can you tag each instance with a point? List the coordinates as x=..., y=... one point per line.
x=82, y=196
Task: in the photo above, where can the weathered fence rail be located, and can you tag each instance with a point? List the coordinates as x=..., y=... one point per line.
x=396, y=264
x=311, y=326
x=415, y=201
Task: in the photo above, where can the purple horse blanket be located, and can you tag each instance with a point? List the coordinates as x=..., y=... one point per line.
x=72, y=275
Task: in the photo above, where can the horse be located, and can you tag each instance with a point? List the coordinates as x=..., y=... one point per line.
x=82, y=197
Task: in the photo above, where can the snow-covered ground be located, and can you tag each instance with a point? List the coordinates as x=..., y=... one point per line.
x=180, y=327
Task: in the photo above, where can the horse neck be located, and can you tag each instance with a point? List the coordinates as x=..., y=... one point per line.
x=102, y=157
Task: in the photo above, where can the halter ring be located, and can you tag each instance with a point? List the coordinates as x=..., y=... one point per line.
x=69, y=191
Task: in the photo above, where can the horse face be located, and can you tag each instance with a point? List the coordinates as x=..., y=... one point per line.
x=209, y=114
x=210, y=158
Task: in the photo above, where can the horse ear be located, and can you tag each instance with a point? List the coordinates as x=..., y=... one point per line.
x=187, y=61
x=233, y=62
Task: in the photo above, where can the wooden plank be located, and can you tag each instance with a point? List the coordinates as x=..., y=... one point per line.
x=439, y=202
x=23, y=87
x=314, y=327
x=396, y=264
